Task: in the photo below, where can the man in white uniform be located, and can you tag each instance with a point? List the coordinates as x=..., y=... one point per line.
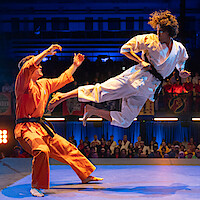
x=138, y=83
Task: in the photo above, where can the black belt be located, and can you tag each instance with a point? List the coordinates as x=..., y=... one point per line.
x=156, y=74
x=40, y=121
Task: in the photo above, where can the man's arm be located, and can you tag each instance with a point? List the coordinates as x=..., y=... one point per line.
x=50, y=51
x=66, y=77
x=77, y=61
x=133, y=56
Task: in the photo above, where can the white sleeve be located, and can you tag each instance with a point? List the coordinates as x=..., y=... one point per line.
x=182, y=58
x=136, y=44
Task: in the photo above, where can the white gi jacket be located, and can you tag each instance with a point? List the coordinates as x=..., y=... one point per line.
x=136, y=85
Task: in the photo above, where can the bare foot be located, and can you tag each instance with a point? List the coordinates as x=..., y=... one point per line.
x=92, y=178
x=88, y=112
x=54, y=101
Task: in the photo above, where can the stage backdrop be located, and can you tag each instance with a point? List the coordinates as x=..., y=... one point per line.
x=170, y=131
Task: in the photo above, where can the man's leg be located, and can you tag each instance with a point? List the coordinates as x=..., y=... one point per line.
x=90, y=110
x=35, y=145
x=65, y=152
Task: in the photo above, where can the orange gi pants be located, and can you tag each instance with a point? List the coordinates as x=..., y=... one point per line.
x=43, y=147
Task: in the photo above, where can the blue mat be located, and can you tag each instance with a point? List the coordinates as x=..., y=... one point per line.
x=120, y=182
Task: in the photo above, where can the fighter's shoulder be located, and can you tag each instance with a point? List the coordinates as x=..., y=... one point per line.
x=150, y=38
x=179, y=44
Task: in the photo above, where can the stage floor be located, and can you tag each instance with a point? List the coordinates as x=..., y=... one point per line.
x=120, y=182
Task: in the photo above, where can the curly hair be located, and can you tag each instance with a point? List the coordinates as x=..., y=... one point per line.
x=166, y=20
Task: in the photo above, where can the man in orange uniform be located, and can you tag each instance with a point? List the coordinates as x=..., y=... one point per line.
x=32, y=95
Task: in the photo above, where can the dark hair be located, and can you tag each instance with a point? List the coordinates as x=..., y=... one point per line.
x=166, y=20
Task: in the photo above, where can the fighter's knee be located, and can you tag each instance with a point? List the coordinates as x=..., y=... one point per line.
x=127, y=122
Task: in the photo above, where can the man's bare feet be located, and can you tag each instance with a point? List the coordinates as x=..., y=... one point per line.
x=88, y=112
x=54, y=101
x=92, y=178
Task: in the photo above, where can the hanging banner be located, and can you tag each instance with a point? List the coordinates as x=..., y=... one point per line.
x=5, y=103
x=73, y=107
x=148, y=108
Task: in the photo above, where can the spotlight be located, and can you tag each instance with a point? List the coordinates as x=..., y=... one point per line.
x=3, y=136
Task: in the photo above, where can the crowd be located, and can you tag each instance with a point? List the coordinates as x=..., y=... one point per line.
x=125, y=149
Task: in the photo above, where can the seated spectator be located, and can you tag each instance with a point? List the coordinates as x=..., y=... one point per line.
x=139, y=141
x=137, y=147
x=116, y=153
x=192, y=142
x=102, y=153
x=163, y=149
x=131, y=146
x=155, y=153
x=176, y=151
x=125, y=143
x=181, y=154
x=95, y=142
x=197, y=153
x=87, y=141
x=86, y=151
x=108, y=153
x=185, y=143
x=190, y=154
x=172, y=152
x=123, y=153
x=182, y=148
x=130, y=153
x=102, y=145
x=81, y=145
x=145, y=149
x=93, y=153
x=119, y=144
x=191, y=149
x=151, y=146
x=113, y=144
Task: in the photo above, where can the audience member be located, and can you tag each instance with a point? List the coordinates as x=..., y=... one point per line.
x=116, y=153
x=123, y=153
x=81, y=145
x=95, y=142
x=125, y=143
x=113, y=144
x=139, y=140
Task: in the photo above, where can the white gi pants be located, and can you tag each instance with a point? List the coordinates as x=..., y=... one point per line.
x=116, y=88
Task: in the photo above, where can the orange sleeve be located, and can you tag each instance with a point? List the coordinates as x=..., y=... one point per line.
x=24, y=76
x=57, y=83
